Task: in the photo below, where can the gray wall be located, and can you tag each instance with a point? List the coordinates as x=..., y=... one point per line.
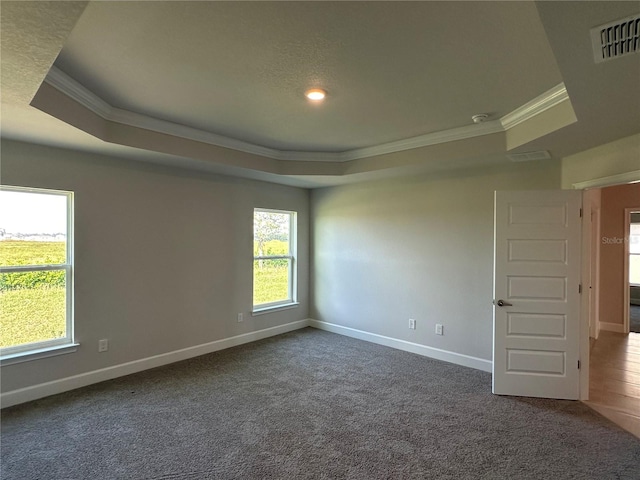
x=163, y=256
x=417, y=248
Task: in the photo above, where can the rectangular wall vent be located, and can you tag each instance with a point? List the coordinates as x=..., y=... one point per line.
x=616, y=39
x=529, y=156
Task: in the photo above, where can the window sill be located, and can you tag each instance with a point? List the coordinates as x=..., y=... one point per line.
x=274, y=308
x=29, y=355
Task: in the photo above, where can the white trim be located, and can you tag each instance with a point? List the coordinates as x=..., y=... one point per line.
x=435, y=138
x=424, y=350
x=34, y=268
x=620, y=179
x=541, y=103
x=292, y=281
x=74, y=90
x=137, y=120
x=585, y=299
x=612, y=327
x=273, y=257
x=305, y=156
x=274, y=308
x=37, y=349
x=595, y=279
x=29, y=355
x=77, y=92
x=35, y=392
x=627, y=257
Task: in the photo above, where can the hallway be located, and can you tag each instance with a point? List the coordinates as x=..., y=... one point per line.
x=614, y=379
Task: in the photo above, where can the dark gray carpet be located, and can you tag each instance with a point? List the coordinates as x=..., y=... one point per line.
x=310, y=404
x=634, y=318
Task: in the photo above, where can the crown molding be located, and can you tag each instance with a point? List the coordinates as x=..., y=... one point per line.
x=541, y=103
x=445, y=136
x=620, y=179
x=173, y=129
x=426, y=140
x=76, y=91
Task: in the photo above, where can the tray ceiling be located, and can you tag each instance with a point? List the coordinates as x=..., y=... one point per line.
x=221, y=84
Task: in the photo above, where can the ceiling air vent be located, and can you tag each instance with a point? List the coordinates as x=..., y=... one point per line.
x=529, y=156
x=616, y=39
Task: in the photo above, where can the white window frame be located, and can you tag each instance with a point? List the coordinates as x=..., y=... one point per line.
x=55, y=346
x=292, y=290
x=631, y=255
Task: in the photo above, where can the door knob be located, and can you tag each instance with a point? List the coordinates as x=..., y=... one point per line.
x=502, y=303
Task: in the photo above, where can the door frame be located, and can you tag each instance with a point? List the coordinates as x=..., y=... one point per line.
x=594, y=275
x=585, y=301
x=627, y=284
x=620, y=179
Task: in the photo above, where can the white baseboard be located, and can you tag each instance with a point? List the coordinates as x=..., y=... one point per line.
x=42, y=390
x=438, y=354
x=612, y=327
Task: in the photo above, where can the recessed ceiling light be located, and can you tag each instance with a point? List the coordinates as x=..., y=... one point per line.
x=315, y=94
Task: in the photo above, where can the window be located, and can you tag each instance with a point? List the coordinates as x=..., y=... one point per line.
x=36, y=271
x=274, y=279
x=634, y=254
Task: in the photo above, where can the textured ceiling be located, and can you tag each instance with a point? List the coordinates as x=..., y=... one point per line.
x=239, y=69
x=31, y=35
x=218, y=86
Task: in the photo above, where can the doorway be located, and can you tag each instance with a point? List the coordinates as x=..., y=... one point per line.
x=632, y=225
x=613, y=379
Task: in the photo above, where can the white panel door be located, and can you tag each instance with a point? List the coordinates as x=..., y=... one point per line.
x=536, y=323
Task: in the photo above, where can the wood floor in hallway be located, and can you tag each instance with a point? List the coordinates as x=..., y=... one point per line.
x=614, y=379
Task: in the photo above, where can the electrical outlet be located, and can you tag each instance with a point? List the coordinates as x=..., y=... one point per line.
x=412, y=324
x=439, y=329
x=240, y=317
x=103, y=345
